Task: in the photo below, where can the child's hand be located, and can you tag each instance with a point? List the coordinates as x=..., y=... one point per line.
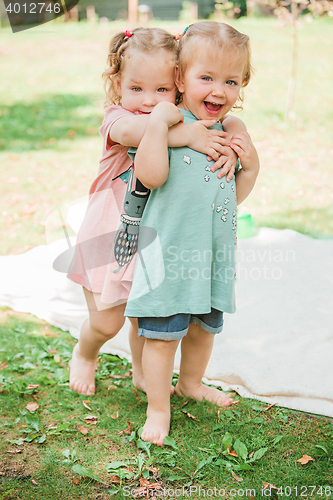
x=228, y=162
x=166, y=112
x=243, y=146
x=210, y=142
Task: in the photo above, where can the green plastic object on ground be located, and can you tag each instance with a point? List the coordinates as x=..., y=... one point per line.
x=245, y=225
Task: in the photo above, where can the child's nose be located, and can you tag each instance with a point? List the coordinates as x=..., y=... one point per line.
x=149, y=100
x=218, y=91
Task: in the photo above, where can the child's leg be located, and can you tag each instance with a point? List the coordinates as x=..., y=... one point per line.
x=101, y=326
x=196, y=349
x=158, y=360
x=136, y=344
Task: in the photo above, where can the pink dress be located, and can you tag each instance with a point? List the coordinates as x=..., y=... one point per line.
x=93, y=265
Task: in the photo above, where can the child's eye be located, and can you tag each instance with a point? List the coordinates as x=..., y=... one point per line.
x=162, y=89
x=136, y=89
x=206, y=78
x=231, y=82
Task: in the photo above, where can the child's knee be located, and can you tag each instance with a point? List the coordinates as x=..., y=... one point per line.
x=198, y=334
x=108, y=326
x=164, y=346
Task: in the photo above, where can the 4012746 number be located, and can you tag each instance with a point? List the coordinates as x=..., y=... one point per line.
x=305, y=491
x=33, y=8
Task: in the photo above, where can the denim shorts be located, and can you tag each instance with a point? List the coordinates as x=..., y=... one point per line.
x=175, y=327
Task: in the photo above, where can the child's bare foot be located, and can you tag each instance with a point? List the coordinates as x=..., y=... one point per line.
x=139, y=382
x=82, y=373
x=211, y=394
x=156, y=427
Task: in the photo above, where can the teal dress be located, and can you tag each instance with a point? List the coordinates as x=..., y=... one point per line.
x=187, y=241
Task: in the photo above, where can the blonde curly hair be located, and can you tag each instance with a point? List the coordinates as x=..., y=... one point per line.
x=146, y=40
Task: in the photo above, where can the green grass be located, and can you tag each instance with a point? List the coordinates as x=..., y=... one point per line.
x=51, y=106
x=48, y=450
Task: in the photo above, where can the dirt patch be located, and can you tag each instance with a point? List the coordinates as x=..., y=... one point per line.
x=21, y=465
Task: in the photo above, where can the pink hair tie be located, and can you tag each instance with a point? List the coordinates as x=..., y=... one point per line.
x=128, y=33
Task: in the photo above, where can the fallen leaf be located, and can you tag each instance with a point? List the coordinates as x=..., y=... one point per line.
x=269, y=406
x=129, y=429
x=32, y=386
x=34, y=482
x=32, y=406
x=75, y=480
x=250, y=496
x=269, y=485
x=91, y=422
x=305, y=459
x=52, y=351
x=144, y=488
x=236, y=402
x=52, y=426
x=136, y=395
x=185, y=403
x=17, y=450
x=118, y=376
x=154, y=470
x=144, y=482
x=111, y=387
x=238, y=479
x=251, y=454
x=82, y=429
x=3, y=365
x=85, y=404
x=232, y=453
x=115, y=479
x=114, y=416
x=91, y=417
x=189, y=415
x=50, y=334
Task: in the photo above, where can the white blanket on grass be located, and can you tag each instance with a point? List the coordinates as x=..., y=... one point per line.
x=277, y=347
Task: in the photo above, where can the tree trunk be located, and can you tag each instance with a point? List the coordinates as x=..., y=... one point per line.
x=292, y=80
x=133, y=11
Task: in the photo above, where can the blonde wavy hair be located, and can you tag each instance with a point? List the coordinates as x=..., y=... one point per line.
x=144, y=40
x=216, y=36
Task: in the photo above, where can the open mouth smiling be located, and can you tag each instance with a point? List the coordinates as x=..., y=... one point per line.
x=212, y=107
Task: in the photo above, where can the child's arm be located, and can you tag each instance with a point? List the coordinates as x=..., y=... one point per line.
x=228, y=160
x=246, y=177
x=130, y=129
x=152, y=157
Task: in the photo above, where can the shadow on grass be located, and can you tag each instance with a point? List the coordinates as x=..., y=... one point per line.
x=41, y=124
x=315, y=222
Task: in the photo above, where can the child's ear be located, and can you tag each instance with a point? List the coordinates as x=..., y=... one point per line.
x=178, y=80
x=118, y=85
